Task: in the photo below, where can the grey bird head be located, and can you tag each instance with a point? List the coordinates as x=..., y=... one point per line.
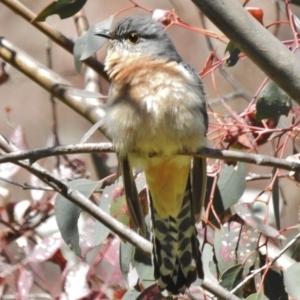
x=141, y=35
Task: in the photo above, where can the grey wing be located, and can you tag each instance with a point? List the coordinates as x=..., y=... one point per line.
x=198, y=173
x=199, y=84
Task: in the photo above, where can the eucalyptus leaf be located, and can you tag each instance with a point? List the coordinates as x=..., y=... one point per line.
x=272, y=102
x=89, y=43
x=67, y=213
x=63, y=8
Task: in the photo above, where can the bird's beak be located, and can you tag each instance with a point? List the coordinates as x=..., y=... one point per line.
x=105, y=33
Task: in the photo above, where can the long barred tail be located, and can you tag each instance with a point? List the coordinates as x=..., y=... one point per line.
x=177, y=259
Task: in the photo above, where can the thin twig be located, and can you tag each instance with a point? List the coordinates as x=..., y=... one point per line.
x=25, y=185
x=228, y=155
x=256, y=272
x=80, y=200
x=30, y=296
x=114, y=225
x=52, y=33
x=280, y=64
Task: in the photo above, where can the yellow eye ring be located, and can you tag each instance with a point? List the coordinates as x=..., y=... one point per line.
x=133, y=38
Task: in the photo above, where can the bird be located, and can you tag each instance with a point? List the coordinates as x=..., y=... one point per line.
x=156, y=109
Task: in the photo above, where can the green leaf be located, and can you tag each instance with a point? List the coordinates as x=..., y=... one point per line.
x=89, y=43
x=275, y=199
x=63, y=8
x=224, y=251
x=292, y=280
x=101, y=231
x=233, y=54
x=235, y=244
x=257, y=296
x=119, y=210
x=232, y=277
x=273, y=282
x=232, y=184
x=126, y=253
x=67, y=213
x=144, y=267
x=272, y=102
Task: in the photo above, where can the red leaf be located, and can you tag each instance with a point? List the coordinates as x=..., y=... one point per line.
x=152, y=292
x=46, y=249
x=256, y=12
x=208, y=63
x=109, y=267
x=76, y=285
x=25, y=281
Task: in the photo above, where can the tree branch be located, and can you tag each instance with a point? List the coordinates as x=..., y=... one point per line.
x=52, y=33
x=80, y=200
x=264, y=49
x=257, y=271
x=88, y=206
x=50, y=81
x=230, y=155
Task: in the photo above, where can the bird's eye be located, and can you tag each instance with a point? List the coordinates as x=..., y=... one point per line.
x=133, y=38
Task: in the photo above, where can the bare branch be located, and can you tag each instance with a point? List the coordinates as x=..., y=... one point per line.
x=261, y=160
x=52, y=33
x=80, y=200
x=114, y=225
x=257, y=271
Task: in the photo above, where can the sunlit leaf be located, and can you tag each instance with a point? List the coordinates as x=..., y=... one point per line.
x=292, y=280
x=76, y=285
x=63, y=8
x=225, y=246
x=25, y=281
x=272, y=102
x=245, y=212
x=46, y=248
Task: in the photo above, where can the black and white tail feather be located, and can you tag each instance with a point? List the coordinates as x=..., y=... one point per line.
x=177, y=258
